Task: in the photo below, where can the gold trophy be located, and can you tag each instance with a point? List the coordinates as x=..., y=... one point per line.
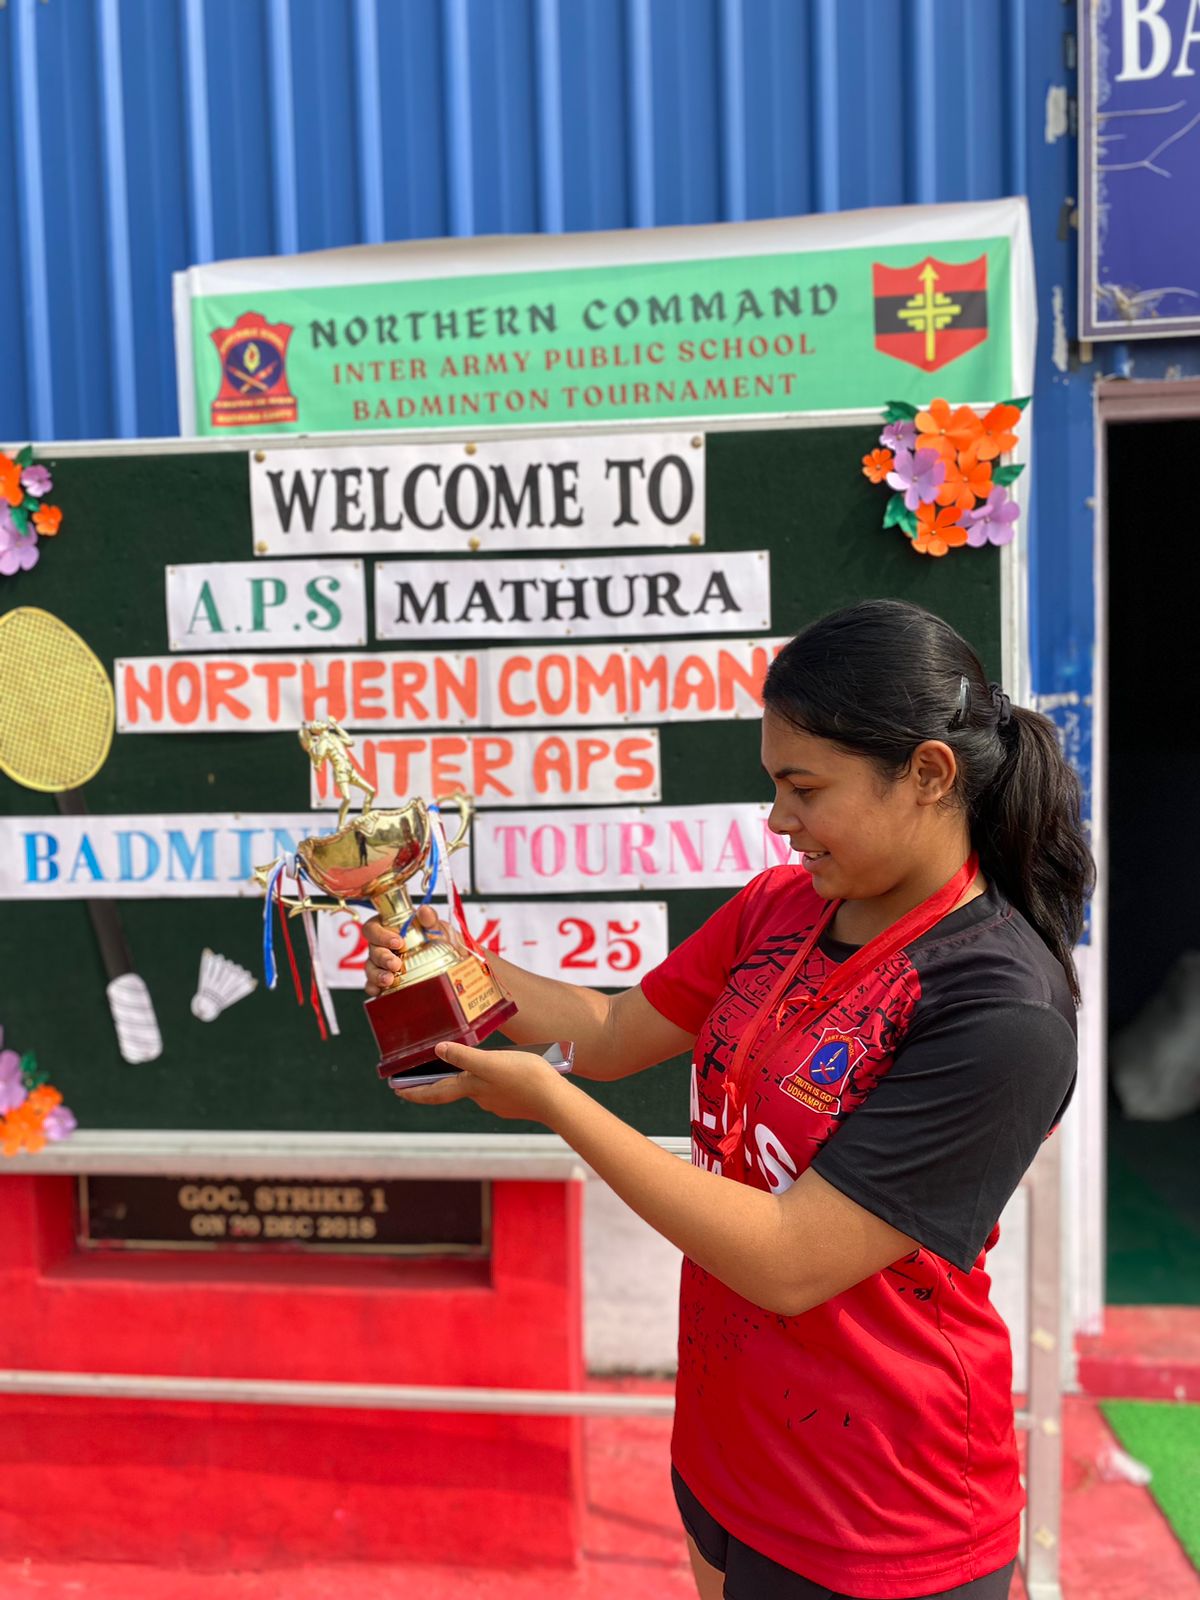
x=444, y=990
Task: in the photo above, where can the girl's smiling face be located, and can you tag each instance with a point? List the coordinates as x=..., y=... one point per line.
x=861, y=834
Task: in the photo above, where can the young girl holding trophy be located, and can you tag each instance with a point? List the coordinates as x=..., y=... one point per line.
x=881, y=1037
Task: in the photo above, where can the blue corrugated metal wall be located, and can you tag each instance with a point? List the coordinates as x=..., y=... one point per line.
x=138, y=136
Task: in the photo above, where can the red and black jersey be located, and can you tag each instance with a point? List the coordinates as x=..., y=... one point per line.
x=868, y=1444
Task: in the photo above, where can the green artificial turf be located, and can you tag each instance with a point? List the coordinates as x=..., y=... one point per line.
x=1165, y=1435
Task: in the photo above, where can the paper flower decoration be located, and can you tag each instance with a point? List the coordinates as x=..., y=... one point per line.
x=967, y=481
x=950, y=433
x=950, y=487
x=23, y=513
x=10, y=481
x=877, y=465
x=58, y=1124
x=900, y=435
x=938, y=531
x=18, y=551
x=918, y=475
x=993, y=522
x=12, y=1085
x=997, y=435
x=31, y=1110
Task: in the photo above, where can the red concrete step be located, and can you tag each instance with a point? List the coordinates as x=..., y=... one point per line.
x=1144, y=1353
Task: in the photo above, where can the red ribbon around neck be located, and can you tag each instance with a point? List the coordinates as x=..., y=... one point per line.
x=838, y=981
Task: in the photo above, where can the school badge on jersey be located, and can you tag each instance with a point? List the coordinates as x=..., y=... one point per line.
x=814, y=1083
x=254, y=389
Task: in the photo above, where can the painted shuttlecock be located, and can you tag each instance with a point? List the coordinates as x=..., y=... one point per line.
x=222, y=984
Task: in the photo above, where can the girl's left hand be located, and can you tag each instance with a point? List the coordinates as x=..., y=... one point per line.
x=508, y=1083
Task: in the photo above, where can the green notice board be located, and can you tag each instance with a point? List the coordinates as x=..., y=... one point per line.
x=798, y=493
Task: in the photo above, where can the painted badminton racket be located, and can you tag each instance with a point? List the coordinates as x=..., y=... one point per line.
x=56, y=728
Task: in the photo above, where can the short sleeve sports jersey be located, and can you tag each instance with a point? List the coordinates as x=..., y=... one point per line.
x=868, y=1444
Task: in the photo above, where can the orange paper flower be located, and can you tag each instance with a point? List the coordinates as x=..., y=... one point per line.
x=10, y=481
x=47, y=519
x=43, y=1099
x=967, y=481
x=877, y=465
x=948, y=432
x=937, y=531
x=996, y=434
x=22, y=1130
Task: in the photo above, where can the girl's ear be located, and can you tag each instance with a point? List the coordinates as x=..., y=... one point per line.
x=934, y=770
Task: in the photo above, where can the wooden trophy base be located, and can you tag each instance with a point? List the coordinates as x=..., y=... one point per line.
x=463, y=1006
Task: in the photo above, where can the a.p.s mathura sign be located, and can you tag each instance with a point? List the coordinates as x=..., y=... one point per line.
x=802, y=315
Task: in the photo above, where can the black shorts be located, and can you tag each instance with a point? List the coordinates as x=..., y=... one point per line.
x=750, y=1576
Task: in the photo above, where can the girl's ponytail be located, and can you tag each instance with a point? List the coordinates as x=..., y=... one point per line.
x=885, y=676
x=1027, y=828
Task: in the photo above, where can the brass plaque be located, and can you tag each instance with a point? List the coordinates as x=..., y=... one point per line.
x=405, y=1216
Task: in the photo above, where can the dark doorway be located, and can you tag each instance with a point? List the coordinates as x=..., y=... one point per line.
x=1153, y=838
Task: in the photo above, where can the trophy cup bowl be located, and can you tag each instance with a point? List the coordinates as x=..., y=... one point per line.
x=372, y=857
x=443, y=991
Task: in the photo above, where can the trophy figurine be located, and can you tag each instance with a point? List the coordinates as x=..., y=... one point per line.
x=328, y=742
x=445, y=988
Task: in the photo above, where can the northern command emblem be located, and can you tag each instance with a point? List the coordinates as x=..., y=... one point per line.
x=931, y=313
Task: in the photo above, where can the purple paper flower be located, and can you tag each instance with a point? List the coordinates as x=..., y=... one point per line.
x=920, y=474
x=18, y=551
x=58, y=1124
x=12, y=1084
x=899, y=436
x=992, y=522
x=36, y=480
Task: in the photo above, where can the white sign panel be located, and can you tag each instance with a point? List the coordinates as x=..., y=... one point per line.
x=677, y=680
x=266, y=605
x=633, y=847
x=603, y=944
x=598, y=491
x=585, y=597
x=596, y=766
x=145, y=857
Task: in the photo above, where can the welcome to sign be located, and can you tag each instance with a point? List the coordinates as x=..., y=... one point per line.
x=602, y=492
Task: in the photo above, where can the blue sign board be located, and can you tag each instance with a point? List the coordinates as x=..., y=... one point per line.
x=1139, y=142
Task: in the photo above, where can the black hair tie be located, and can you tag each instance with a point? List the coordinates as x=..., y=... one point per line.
x=1002, y=704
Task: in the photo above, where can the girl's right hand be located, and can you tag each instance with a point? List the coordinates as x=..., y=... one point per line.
x=383, y=945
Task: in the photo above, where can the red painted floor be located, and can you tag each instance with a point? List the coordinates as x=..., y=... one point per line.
x=1116, y=1545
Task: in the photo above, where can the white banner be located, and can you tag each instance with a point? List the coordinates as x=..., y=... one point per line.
x=601, y=491
x=598, y=766
x=633, y=847
x=266, y=605
x=586, y=597
x=148, y=857
x=603, y=944
x=676, y=680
